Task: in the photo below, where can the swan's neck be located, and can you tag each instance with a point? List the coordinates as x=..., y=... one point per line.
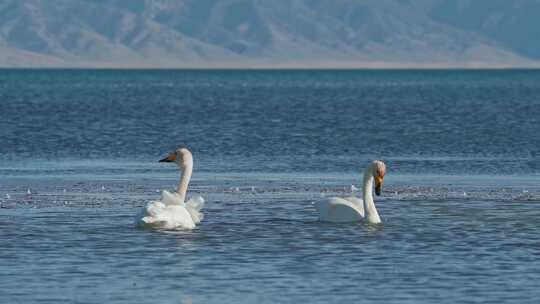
x=184, y=181
x=372, y=216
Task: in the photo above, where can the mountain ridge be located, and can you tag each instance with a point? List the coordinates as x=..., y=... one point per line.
x=268, y=34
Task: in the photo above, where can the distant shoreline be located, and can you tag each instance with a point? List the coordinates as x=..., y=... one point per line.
x=279, y=67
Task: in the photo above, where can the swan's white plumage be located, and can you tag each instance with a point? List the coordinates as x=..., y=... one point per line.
x=352, y=209
x=339, y=210
x=170, y=212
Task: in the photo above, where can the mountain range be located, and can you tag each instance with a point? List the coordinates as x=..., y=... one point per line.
x=269, y=33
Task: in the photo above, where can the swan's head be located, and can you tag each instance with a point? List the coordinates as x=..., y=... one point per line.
x=378, y=169
x=181, y=156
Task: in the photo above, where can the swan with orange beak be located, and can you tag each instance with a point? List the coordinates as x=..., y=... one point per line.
x=352, y=209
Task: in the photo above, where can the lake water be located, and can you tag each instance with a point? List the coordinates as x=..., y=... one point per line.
x=460, y=206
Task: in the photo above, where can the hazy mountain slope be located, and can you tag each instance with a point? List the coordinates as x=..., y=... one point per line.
x=514, y=24
x=264, y=33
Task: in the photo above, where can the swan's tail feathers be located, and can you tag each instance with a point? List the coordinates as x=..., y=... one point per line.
x=194, y=206
x=150, y=215
x=196, y=203
x=154, y=208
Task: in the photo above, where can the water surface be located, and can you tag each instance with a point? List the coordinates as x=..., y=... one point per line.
x=78, y=159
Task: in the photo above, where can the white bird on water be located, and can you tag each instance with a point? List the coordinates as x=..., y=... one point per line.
x=172, y=211
x=352, y=209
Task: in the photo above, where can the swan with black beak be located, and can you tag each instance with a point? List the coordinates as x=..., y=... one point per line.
x=172, y=211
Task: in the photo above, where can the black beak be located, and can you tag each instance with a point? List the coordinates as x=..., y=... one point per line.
x=378, y=190
x=165, y=160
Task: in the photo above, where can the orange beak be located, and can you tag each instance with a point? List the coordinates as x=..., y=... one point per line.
x=169, y=159
x=378, y=184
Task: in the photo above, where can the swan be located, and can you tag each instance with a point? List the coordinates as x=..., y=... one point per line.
x=172, y=211
x=352, y=209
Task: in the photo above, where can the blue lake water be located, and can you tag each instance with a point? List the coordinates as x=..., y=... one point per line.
x=460, y=206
